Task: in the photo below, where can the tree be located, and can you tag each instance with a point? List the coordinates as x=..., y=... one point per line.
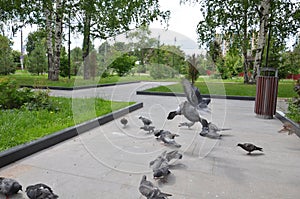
x=123, y=64
x=37, y=59
x=76, y=60
x=103, y=19
x=238, y=20
x=34, y=38
x=64, y=63
x=6, y=58
x=193, y=72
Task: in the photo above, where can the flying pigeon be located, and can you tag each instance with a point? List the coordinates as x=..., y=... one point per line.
x=190, y=108
x=40, y=191
x=155, y=164
x=202, y=102
x=124, y=121
x=150, y=129
x=9, y=186
x=145, y=121
x=150, y=191
x=249, y=147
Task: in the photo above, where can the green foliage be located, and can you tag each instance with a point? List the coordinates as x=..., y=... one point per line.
x=37, y=60
x=34, y=39
x=76, y=60
x=294, y=104
x=7, y=65
x=161, y=71
x=122, y=65
x=11, y=96
x=19, y=126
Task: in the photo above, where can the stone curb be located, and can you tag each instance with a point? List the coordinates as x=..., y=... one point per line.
x=77, y=87
x=18, y=152
x=249, y=98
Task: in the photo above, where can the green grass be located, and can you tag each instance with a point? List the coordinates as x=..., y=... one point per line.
x=22, y=126
x=25, y=78
x=237, y=88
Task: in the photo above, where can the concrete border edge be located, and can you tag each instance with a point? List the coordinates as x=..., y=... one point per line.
x=21, y=151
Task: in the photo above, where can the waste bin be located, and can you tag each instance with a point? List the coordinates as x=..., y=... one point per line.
x=266, y=93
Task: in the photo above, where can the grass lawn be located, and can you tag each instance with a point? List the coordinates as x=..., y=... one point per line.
x=25, y=78
x=235, y=88
x=21, y=126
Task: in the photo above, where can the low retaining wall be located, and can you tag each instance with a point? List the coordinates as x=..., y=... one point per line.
x=16, y=153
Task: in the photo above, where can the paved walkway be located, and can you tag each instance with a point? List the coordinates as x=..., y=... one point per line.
x=109, y=161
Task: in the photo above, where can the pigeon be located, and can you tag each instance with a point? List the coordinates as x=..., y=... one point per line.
x=202, y=102
x=150, y=191
x=9, y=186
x=288, y=127
x=190, y=108
x=173, y=155
x=167, y=137
x=145, y=121
x=162, y=172
x=249, y=147
x=155, y=164
x=124, y=121
x=150, y=129
x=40, y=191
x=170, y=135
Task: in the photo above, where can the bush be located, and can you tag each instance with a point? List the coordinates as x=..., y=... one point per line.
x=11, y=96
x=6, y=57
x=294, y=105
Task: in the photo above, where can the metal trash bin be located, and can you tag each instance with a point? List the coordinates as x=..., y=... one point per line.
x=266, y=93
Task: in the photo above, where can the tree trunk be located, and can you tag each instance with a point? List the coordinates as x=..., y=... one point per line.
x=86, y=46
x=48, y=16
x=58, y=39
x=263, y=29
x=245, y=43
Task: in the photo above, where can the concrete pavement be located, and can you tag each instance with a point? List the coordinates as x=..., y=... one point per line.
x=109, y=161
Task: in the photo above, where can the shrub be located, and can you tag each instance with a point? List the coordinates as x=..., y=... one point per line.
x=159, y=71
x=294, y=105
x=11, y=96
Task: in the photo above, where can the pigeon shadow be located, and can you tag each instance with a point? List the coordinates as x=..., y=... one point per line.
x=226, y=135
x=177, y=166
x=170, y=180
x=254, y=154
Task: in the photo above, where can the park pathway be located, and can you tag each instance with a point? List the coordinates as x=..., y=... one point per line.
x=109, y=161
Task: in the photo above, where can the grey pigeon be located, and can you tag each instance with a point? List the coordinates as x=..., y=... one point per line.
x=162, y=132
x=145, y=121
x=150, y=191
x=124, y=121
x=9, y=186
x=168, y=138
x=40, y=191
x=173, y=155
x=150, y=129
x=190, y=108
x=249, y=147
x=162, y=172
x=155, y=164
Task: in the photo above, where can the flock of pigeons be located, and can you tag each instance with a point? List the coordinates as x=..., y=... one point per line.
x=9, y=187
x=161, y=166
x=190, y=109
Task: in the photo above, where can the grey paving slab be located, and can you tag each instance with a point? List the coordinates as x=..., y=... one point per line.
x=108, y=161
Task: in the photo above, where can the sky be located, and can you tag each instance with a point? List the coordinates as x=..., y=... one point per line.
x=182, y=26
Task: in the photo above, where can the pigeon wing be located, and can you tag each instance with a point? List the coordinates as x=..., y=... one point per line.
x=190, y=93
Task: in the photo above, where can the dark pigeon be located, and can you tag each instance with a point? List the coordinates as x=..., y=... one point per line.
x=249, y=147
x=9, y=186
x=40, y=191
x=159, y=133
x=124, y=121
x=145, y=121
x=150, y=191
x=167, y=138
